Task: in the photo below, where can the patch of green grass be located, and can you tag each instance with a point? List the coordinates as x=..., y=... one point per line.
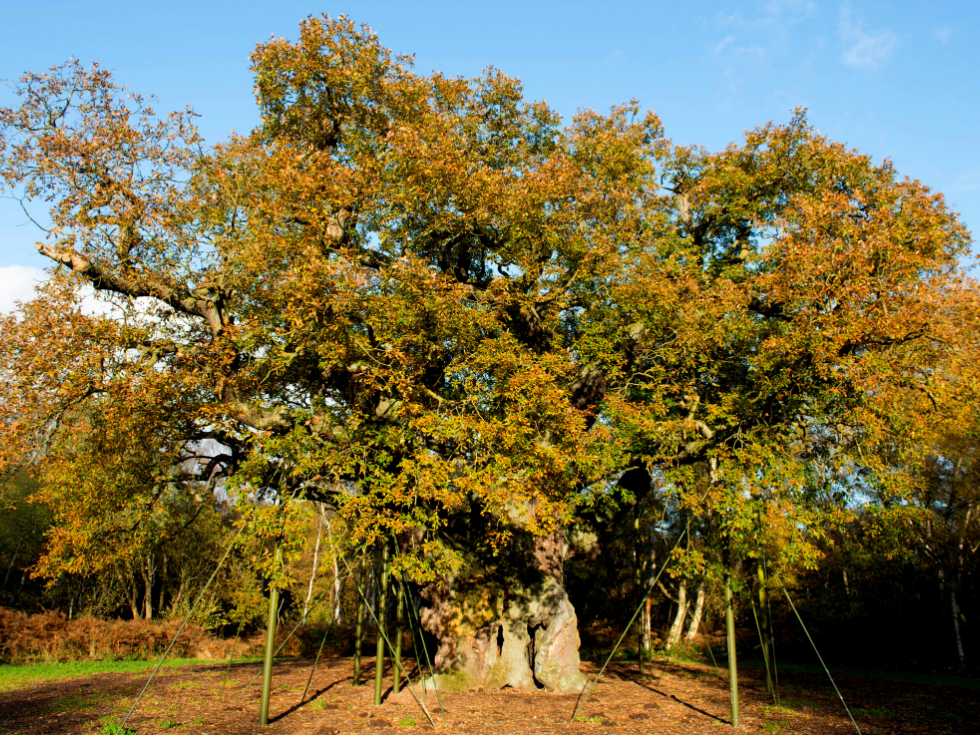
x=112, y=728
x=771, y=709
x=876, y=713
x=407, y=722
x=168, y=723
x=319, y=704
x=799, y=705
x=72, y=703
x=583, y=718
x=15, y=677
x=911, y=677
x=777, y=726
x=947, y=716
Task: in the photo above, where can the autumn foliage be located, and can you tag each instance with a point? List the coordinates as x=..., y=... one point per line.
x=434, y=307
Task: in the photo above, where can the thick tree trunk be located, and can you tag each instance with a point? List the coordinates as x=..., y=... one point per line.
x=674, y=635
x=518, y=631
x=695, y=624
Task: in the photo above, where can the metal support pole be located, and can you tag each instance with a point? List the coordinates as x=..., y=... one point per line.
x=379, y=658
x=730, y=635
x=399, y=621
x=590, y=685
x=763, y=627
x=270, y=648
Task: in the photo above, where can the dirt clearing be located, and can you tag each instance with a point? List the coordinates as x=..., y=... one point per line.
x=679, y=698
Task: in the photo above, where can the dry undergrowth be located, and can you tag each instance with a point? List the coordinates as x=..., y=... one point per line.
x=50, y=637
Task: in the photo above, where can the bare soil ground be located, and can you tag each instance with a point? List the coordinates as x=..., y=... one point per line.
x=679, y=698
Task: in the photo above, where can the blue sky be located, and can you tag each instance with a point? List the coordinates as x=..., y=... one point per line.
x=896, y=80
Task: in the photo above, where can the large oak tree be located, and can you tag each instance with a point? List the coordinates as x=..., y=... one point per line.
x=423, y=301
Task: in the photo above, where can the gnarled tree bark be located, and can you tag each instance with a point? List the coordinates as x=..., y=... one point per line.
x=517, y=629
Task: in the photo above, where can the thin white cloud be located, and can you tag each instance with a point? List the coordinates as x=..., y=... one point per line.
x=864, y=49
x=726, y=41
x=754, y=51
x=942, y=34
x=790, y=7
x=763, y=34
x=17, y=283
x=774, y=23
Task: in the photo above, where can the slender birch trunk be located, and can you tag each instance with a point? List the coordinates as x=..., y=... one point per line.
x=638, y=584
x=695, y=624
x=130, y=588
x=650, y=565
x=955, y=585
x=646, y=623
x=338, y=585
x=316, y=561
x=148, y=585
x=163, y=583
x=674, y=636
x=180, y=590
x=13, y=561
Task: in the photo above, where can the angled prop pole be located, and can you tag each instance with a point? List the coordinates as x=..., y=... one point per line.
x=270, y=645
x=282, y=645
x=411, y=687
x=234, y=647
x=819, y=657
x=772, y=635
x=428, y=661
x=765, y=652
x=315, y=662
x=417, y=620
x=589, y=685
x=180, y=630
x=399, y=625
x=730, y=641
x=382, y=602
